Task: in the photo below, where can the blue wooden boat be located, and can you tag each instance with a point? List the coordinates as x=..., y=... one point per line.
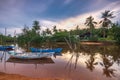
x=55, y=50
x=6, y=48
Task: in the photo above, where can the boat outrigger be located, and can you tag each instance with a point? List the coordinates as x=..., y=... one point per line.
x=55, y=50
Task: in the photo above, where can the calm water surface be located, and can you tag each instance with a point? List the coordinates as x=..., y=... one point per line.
x=84, y=63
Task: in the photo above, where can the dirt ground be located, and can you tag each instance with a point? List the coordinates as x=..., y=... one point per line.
x=4, y=76
x=96, y=43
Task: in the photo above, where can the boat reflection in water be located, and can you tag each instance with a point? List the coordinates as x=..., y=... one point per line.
x=83, y=62
x=31, y=61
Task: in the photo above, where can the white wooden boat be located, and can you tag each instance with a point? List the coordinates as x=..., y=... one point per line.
x=29, y=55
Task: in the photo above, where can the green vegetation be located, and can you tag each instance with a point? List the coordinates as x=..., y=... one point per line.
x=33, y=35
x=114, y=33
x=6, y=39
x=30, y=36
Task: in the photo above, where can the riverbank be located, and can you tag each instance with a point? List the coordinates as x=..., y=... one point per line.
x=101, y=43
x=4, y=76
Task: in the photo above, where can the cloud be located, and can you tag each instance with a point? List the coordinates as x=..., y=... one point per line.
x=72, y=22
x=14, y=31
x=11, y=31
x=67, y=1
x=47, y=24
x=11, y=12
x=14, y=12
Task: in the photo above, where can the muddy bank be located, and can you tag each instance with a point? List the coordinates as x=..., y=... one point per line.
x=101, y=43
x=4, y=76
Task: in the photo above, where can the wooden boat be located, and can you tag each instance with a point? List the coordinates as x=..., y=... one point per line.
x=29, y=55
x=6, y=48
x=55, y=50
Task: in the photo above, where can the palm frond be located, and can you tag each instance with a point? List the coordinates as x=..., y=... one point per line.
x=100, y=22
x=95, y=22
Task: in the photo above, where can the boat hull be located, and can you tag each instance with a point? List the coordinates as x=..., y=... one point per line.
x=29, y=55
x=6, y=48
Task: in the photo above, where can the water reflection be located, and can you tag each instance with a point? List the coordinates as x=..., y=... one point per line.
x=107, y=64
x=1, y=56
x=31, y=61
x=90, y=63
x=108, y=57
x=80, y=60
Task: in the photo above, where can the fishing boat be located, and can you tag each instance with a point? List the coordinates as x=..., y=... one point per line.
x=29, y=55
x=6, y=48
x=55, y=50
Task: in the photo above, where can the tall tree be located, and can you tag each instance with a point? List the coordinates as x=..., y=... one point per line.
x=48, y=31
x=55, y=29
x=106, y=22
x=25, y=29
x=91, y=23
x=77, y=30
x=36, y=26
x=43, y=33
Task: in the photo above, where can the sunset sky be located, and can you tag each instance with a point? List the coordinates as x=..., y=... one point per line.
x=65, y=14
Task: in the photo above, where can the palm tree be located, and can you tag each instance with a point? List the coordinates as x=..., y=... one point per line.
x=43, y=33
x=48, y=31
x=77, y=30
x=91, y=23
x=106, y=22
x=36, y=26
x=25, y=29
x=55, y=29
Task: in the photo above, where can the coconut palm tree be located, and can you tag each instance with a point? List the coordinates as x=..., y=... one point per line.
x=48, y=31
x=55, y=29
x=25, y=29
x=43, y=33
x=36, y=26
x=77, y=30
x=91, y=23
x=106, y=22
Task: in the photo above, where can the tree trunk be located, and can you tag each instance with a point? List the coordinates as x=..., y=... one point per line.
x=104, y=33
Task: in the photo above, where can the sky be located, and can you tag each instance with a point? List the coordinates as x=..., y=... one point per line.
x=65, y=14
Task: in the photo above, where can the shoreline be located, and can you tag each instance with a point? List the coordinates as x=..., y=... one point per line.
x=5, y=76
x=99, y=43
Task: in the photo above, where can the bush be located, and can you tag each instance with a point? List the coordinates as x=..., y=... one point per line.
x=116, y=34
x=94, y=38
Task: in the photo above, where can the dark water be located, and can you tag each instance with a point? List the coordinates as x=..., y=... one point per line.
x=86, y=62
